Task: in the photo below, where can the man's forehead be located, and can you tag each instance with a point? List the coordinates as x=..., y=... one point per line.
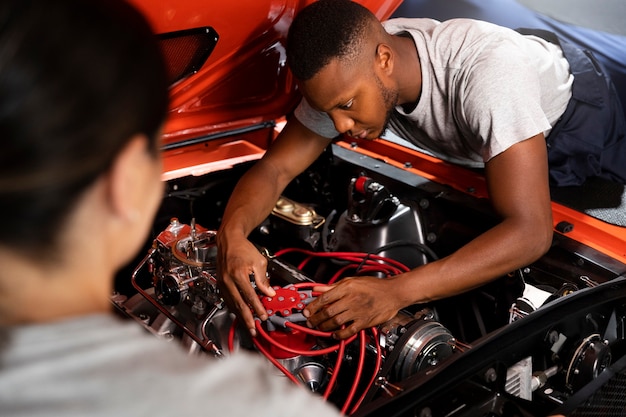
x=332, y=86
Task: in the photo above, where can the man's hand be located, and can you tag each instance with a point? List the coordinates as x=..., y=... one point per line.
x=358, y=303
x=239, y=262
x=240, y=265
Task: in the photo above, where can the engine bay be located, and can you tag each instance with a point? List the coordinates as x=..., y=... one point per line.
x=528, y=343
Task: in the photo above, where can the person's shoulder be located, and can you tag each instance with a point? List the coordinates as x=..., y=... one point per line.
x=471, y=23
x=241, y=374
x=474, y=27
x=456, y=30
x=402, y=24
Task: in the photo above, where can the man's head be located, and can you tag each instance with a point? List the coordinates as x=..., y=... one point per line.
x=340, y=55
x=323, y=31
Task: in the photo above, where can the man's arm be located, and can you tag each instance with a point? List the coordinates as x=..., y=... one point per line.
x=252, y=200
x=518, y=186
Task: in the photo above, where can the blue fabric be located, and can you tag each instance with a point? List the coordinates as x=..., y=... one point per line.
x=589, y=140
x=609, y=49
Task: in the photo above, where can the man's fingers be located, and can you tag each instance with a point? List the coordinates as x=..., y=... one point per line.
x=343, y=325
x=311, y=309
x=262, y=282
x=322, y=288
x=246, y=316
x=236, y=304
x=245, y=302
x=327, y=297
x=347, y=332
x=250, y=296
x=328, y=317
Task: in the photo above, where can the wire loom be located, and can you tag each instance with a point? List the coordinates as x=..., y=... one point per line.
x=285, y=311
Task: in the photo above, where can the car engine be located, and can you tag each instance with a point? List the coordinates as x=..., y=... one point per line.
x=525, y=344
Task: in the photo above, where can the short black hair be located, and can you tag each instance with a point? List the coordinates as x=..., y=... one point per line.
x=78, y=79
x=325, y=30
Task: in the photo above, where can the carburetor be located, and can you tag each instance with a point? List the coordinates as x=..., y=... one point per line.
x=184, y=270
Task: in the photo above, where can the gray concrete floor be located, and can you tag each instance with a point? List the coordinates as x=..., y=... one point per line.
x=606, y=15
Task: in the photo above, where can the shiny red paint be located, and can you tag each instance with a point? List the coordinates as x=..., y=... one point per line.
x=245, y=80
x=244, y=83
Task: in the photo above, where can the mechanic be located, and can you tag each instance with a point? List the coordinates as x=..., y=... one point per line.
x=468, y=91
x=83, y=96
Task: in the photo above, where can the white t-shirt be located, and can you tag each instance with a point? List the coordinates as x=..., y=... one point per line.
x=484, y=88
x=99, y=366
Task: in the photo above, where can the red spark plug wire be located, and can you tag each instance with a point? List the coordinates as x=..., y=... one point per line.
x=360, y=263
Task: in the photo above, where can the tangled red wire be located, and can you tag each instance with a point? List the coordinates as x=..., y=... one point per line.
x=288, y=309
x=358, y=261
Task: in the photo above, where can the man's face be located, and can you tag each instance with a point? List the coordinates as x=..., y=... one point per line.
x=356, y=99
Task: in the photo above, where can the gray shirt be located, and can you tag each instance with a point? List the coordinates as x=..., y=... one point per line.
x=101, y=366
x=484, y=88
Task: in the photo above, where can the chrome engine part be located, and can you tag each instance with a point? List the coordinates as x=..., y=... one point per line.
x=178, y=298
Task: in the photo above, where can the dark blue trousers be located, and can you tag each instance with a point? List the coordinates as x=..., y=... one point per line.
x=589, y=140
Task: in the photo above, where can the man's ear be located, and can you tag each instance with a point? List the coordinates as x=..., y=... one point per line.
x=125, y=178
x=384, y=58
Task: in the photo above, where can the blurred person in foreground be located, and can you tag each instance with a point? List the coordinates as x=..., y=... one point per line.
x=527, y=108
x=83, y=96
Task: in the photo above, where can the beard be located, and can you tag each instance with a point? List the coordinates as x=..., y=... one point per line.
x=390, y=101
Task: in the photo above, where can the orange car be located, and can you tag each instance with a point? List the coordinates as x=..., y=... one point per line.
x=549, y=337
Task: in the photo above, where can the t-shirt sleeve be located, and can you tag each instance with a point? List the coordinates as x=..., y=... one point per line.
x=315, y=121
x=502, y=99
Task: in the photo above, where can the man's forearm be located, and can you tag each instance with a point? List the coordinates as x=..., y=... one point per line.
x=498, y=251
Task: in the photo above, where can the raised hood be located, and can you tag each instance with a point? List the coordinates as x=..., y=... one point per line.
x=223, y=110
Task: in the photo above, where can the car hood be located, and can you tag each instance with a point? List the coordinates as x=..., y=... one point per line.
x=225, y=106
